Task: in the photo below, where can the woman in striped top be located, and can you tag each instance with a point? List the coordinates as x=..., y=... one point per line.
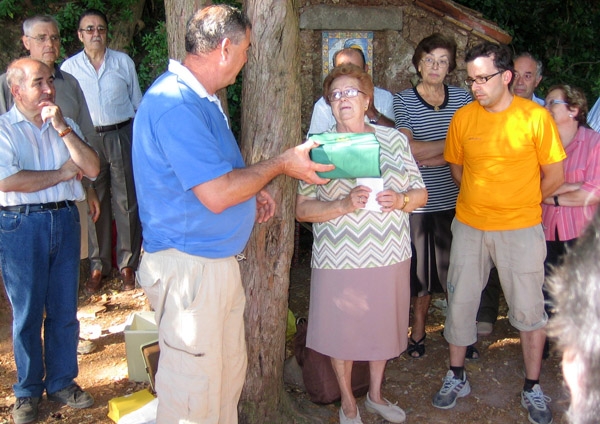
x=423, y=114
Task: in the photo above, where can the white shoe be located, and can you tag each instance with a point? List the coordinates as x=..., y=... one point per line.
x=346, y=420
x=484, y=328
x=391, y=412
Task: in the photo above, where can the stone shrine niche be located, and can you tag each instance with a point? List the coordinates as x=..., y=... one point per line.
x=389, y=30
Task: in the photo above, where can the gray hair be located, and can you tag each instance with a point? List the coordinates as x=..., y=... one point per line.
x=209, y=26
x=538, y=63
x=575, y=288
x=28, y=24
x=15, y=74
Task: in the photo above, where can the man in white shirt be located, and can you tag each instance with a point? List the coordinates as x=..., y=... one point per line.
x=380, y=113
x=110, y=84
x=42, y=159
x=528, y=75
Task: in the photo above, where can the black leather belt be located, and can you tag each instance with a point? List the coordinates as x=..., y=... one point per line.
x=38, y=207
x=107, y=128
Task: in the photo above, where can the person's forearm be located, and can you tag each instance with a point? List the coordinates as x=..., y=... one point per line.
x=456, y=171
x=31, y=181
x=423, y=150
x=578, y=197
x=238, y=185
x=312, y=210
x=83, y=155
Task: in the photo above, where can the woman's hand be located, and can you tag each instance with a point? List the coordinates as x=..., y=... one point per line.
x=406, y=202
x=390, y=200
x=357, y=199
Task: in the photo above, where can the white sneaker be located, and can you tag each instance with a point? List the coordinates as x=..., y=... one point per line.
x=391, y=412
x=536, y=404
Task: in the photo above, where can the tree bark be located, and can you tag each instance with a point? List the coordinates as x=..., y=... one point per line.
x=178, y=12
x=122, y=32
x=270, y=124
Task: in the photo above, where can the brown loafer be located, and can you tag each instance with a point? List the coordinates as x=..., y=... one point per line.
x=94, y=282
x=128, y=277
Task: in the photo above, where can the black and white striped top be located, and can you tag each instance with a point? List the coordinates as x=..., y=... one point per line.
x=426, y=123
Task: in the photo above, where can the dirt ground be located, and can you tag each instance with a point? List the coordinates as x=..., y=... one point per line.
x=496, y=378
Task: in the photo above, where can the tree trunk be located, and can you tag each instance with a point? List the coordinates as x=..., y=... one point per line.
x=122, y=32
x=178, y=12
x=270, y=124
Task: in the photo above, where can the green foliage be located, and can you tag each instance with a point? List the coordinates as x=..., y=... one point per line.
x=563, y=34
x=10, y=8
x=234, y=91
x=156, y=56
x=234, y=101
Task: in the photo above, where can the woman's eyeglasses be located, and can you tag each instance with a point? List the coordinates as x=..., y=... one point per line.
x=336, y=95
x=429, y=62
x=556, y=102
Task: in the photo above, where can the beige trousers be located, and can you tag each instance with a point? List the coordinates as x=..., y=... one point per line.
x=199, y=306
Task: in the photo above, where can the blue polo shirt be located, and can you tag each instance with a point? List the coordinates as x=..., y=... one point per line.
x=181, y=138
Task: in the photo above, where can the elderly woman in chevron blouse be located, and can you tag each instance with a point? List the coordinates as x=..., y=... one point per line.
x=360, y=295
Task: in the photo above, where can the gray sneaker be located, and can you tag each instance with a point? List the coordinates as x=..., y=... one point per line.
x=73, y=396
x=25, y=410
x=452, y=389
x=535, y=402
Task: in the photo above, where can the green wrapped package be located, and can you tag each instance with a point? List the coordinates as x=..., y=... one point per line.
x=355, y=155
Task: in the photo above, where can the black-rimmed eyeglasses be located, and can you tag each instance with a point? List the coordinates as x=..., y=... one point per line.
x=481, y=80
x=336, y=95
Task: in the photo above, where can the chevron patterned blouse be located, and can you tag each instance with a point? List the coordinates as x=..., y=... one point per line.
x=367, y=239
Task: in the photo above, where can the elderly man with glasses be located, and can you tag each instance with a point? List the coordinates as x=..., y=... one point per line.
x=110, y=83
x=506, y=156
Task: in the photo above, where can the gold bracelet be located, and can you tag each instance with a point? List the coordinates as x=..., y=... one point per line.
x=65, y=132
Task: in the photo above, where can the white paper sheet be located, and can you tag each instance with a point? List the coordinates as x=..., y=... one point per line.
x=376, y=186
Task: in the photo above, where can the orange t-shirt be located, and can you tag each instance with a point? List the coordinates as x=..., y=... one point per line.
x=501, y=154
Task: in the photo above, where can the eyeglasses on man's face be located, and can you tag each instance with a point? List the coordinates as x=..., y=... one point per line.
x=481, y=80
x=336, y=95
x=91, y=29
x=44, y=38
x=429, y=62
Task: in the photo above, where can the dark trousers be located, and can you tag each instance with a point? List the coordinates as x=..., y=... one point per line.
x=116, y=192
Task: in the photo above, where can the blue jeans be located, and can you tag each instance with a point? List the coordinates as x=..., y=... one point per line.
x=39, y=256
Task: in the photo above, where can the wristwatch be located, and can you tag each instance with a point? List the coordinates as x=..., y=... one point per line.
x=406, y=200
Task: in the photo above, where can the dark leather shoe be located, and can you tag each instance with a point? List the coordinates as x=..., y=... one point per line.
x=94, y=282
x=128, y=277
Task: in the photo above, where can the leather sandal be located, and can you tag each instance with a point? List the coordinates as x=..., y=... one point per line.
x=472, y=352
x=416, y=349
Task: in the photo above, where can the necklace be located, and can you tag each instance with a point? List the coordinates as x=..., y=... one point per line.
x=436, y=108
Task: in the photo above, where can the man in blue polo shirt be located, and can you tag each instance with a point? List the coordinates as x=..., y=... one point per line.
x=198, y=202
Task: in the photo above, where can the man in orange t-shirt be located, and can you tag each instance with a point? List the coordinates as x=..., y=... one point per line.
x=505, y=155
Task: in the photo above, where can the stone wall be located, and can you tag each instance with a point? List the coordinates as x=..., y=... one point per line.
x=393, y=42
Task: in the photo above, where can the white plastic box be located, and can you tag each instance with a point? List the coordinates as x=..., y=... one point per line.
x=140, y=329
